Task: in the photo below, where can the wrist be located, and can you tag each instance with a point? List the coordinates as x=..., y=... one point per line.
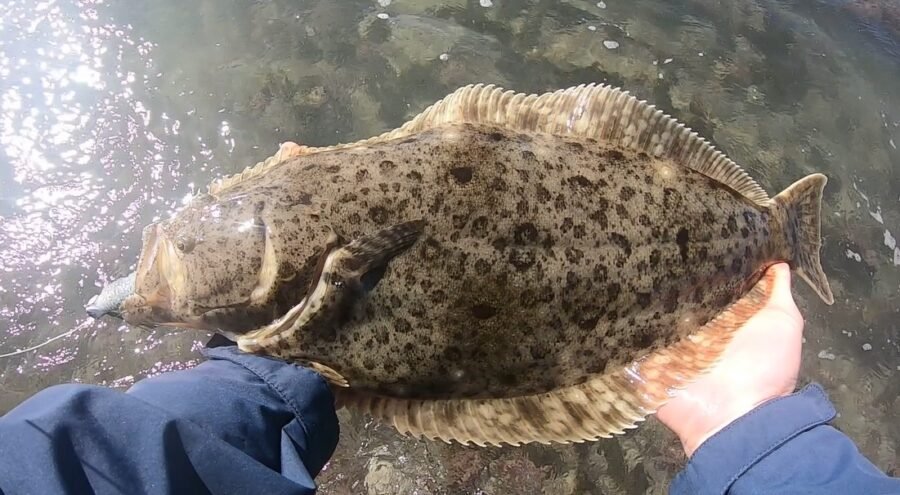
x=707, y=417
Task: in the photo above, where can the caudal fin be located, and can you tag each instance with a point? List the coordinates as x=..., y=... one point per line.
x=802, y=202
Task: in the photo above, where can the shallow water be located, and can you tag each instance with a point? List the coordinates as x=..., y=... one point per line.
x=113, y=112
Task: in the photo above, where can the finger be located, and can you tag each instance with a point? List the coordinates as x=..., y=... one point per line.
x=781, y=292
x=782, y=299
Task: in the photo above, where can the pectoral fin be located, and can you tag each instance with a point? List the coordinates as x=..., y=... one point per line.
x=347, y=273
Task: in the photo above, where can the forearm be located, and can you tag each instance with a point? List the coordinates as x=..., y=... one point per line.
x=234, y=424
x=782, y=446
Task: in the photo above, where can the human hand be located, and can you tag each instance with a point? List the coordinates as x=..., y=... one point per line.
x=761, y=363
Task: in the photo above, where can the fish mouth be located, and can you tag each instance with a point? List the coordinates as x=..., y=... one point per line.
x=159, y=278
x=150, y=304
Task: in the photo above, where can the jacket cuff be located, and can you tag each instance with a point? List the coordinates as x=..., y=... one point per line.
x=315, y=430
x=731, y=452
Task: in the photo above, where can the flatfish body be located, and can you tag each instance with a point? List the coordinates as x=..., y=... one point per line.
x=502, y=269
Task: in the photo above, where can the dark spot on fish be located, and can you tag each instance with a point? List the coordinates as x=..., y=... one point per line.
x=703, y=253
x=745, y=232
x=736, y=265
x=644, y=220
x=599, y=217
x=525, y=233
x=626, y=193
x=579, y=231
x=749, y=217
x=614, y=156
x=300, y=199
x=521, y=259
x=670, y=301
x=500, y=243
x=560, y=202
x=574, y=255
x=543, y=195
x=645, y=340
x=496, y=136
x=498, y=184
x=612, y=292
x=414, y=175
x=482, y=266
x=671, y=198
x=527, y=155
x=732, y=224
x=479, y=225
x=621, y=241
x=682, y=240
x=580, y=181
x=522, y=207
x=459, y=221
x=643, y=299
x=387, y=165
x=333, y=169
x=575, y=146
x=566, y=225
x=622, y=212
x=462, y=175
x=708, y=217
x=378, y=214
x=382, y=337
x=484, y=311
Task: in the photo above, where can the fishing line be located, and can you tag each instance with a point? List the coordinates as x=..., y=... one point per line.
x=48, y=341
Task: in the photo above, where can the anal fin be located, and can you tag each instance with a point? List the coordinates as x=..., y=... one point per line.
x=603, y=406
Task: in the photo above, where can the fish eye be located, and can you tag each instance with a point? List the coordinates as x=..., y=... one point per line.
x=185, y=244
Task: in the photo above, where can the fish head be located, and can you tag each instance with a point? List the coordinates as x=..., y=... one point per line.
x=209, y=267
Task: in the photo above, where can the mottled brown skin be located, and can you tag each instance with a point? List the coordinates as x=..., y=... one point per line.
x=543, y=260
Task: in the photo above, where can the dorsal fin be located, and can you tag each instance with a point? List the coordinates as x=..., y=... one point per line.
x=604, y=405
x=599, y=112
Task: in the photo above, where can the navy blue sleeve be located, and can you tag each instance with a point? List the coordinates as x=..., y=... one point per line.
x=234, y=424
x=784, y=446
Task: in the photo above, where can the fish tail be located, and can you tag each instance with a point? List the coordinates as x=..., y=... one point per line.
x=801, y=203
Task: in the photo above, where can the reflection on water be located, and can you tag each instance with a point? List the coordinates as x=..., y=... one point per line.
x=112, y=113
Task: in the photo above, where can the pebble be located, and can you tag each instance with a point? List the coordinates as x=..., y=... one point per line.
x=444, y=57
x=486, y=3
x=852, y=255
x=592, y=28
x=384, y=3
x=823, y=354
x=867, y=347
x=611, y=45
x=668, y=61
x=601, y=5
x=382, y=15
